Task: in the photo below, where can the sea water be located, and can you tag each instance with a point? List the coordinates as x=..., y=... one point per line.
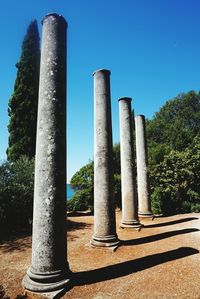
x=70, y=192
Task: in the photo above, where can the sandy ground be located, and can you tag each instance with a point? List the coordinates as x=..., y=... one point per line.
x=160, y=261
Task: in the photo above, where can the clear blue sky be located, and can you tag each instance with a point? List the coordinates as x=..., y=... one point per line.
x=152, y=48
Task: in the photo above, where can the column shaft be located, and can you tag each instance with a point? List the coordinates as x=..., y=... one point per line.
x=144, y=203
x=104, y=210
x=49, y=270
x=128, y=180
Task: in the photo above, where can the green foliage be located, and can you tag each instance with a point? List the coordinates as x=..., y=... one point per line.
x=81, y=201
x=24, y=101
x=117, y=175
x=83, y=183
x=117, y=190
x=195, y=208
x=175, y=181
x=174, y=127
x=16, y=192
x=173, y=139
x=116, y=158
x=157, y=152
x=84, y=178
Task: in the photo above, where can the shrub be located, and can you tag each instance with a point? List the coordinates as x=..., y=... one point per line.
x=81, y=201
x=175, y=181
x=16, y=192
x=195, y=208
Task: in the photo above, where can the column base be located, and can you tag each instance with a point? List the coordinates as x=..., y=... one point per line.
x=135, y=224
x=107, y=241
x=46, y=282
x=47, y=295
x=147, y=214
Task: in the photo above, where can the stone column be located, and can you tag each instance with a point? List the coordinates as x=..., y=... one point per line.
x=144, y=203
x=49, y=270
x=104, y=210
x=128, y=180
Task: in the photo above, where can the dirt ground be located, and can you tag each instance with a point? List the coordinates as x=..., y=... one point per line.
x=160, y=261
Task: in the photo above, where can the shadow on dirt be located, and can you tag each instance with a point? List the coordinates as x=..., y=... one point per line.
x=15, y=240
x=21, y=240
x=72, y=225
x=79, y=213
x=129, y=267
x=171, y=222
x=158, y=237
x=19, y=244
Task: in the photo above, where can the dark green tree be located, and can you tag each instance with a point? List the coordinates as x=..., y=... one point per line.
x=175, y=181
x=117, y=175
x=24, y=101
x=16, y=193
x=173, y=138
x=173, y=127
x=82, y=183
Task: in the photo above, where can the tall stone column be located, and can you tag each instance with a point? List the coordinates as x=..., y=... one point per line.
x=104, y=210
x=128, y=180
x=49, y=270
x=144, y=203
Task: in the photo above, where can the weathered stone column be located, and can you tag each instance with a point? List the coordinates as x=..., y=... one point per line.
x=104, y=210
x=144, y=203
x=49, y=270
x=128, y=179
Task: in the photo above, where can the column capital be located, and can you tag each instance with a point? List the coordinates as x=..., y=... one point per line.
x=140, y=116
x=105, y=71
x=125, y=99
x=55, y=16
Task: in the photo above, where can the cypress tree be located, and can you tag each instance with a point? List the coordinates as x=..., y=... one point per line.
x=24, y=101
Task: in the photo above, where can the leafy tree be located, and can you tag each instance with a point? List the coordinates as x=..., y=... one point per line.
x=175, y=181
x=16, y=192
x=83, y=184
x=157, y=152
x=24, y=101
x=117, y=175
x=174, y=127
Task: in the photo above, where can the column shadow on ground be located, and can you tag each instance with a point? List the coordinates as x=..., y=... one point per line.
x=79, y=213
x=15, y=240
x=171, y=222
x=158, y=237
x=73, y=225
x=129, y=267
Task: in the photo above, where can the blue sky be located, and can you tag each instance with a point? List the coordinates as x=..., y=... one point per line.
x=151, y=47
